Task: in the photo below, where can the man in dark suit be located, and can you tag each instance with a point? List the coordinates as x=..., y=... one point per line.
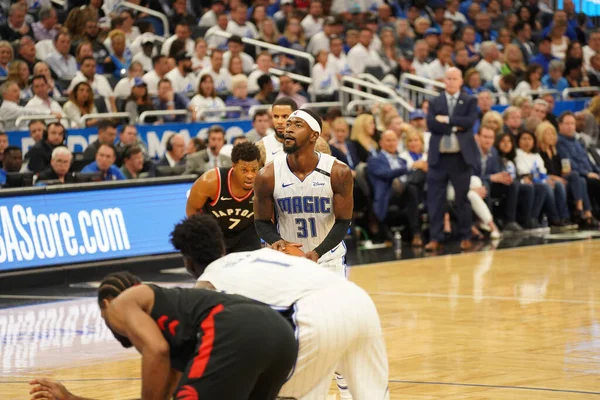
x=211, y=157
x=388, y=173
x=175, y=154
x=452, y=156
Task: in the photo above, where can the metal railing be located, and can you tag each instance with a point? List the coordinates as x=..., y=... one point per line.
x=567, y=92
x=202, y=111
x=44, y=117
x=265, y=45
x=357, y=103
x=542, y=92
x=150, y=11
x=159, y=113
x=416, y=94
x=252, y=110
x=116, y=115
x=295, y=77
x=426, y=81
x=323, y=104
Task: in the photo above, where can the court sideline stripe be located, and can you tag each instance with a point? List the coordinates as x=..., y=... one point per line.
x=34, y=297
x=494, y=386
x=466, y=296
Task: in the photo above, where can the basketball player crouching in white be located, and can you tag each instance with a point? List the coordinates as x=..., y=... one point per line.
x=311, y=194
x=337, y=324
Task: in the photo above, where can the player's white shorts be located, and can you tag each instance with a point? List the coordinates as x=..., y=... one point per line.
x=335, y=260
x=338, y=331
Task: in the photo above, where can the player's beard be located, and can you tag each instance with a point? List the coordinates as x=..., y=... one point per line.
x=124, y=340
x=291, y=149
x=281, y=135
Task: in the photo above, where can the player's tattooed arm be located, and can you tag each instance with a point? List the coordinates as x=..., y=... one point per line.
x=342, y=184
x=204, y=189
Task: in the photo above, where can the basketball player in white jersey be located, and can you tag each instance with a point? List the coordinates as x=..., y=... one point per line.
x=311, y=194
x=336, y=322
x=272, y=144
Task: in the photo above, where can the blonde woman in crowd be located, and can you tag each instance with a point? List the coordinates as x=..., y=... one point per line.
x=524, y=104
x=6, y=56
x=81, y=102
x=513, y=62
x=592, y=120
x=19, y=72
x=363, y=134
x=493, y=120
x=339, y=139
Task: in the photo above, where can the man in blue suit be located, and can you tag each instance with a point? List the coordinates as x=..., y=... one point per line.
x=452, y=157
x=388, y=175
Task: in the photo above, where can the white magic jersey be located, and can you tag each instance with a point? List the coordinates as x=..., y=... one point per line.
x=272, y=147
x=304, y=209
x=337, y=324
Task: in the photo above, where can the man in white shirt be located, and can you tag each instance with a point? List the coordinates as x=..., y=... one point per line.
x=182, y=32
x=210, y=17
x=217, y=42
x=591, y=49
x=337, y=57
x=488, y=67
x=221, y=76
x=181, y=77
x=161, y=67
x=261, y=121
x=320, y=40
x=453, y=13
x=239, y=25
x=236, y=47
x=439, y=66
x=41, y=101
x=264, y=61
x=10, y=109
x=360, y=57
x=99, y=83
x=419, y=63
x=60, y=61
x=313, y=22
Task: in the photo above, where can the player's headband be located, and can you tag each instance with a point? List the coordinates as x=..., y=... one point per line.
x=309, y=119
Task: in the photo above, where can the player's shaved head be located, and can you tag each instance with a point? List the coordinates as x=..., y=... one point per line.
x=200, y=241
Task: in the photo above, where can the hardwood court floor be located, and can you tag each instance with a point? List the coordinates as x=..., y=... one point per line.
x=510, y=324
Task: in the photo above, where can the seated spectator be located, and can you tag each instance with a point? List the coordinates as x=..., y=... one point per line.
x=555, y=80
x=10, y=109
x=499, y=178
x=575, y=79
x=36, y=130
x=60, y=164
x=169, y=100
x=532, y=171
x=41, y=68
x=105, y=159
x=532, y=81
x=6, y=56
x=107, y=133
x=325, y=82
x=544, y=56
x=211, y=157
x=489, y=66
x=239, y=97
x=293, y=38
x=523, y=104
x=41, y=100
x=361, y=56
x=236, y=47
x=221, y=76
x=385, y=172
x=461, y=60
x=591, y=117
x=513, y=123
x=591, y=49
x=175, y=154
x=540, y=110
x=182, y=32
x=46, y=27
x=493, y=120
x=264, y=61
x=3, y=145
x=207, y=98
x=594, y=70
x=214, y=41
x=123, y=88
x=81, y=103
x=60, y=61
x=15, y=26
x=41, y=153
x=85, y=49
x=200, y=59
x=560, y=41
x=570, y=148
x=120, y=58
x=26, y=52
x=239, y=24
x=143, y=50
x=472, y=84
x=12, y=161
x=287, y=88
x=181, y=77
x=266, y=93
x=313, y=22
x=139, y=101
x=550, y=101
x=341, y=141
x=438, y=67
x=133, y=162
x=337, y=57
x=235, y=66
x=415, y=151
x=98, y=83
x=128, y=136
x=363, y=134
x=194, y=145
x=153, y=77
x=131, y=31
x=209, y=18
x=502, y=86
x=261, y=121
x=513, y=62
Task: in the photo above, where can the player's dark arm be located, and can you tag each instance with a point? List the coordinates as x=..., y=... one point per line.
x=130, y=318
x=263, y=205
x=203, y=189
x=343, y=205
x=44, y=388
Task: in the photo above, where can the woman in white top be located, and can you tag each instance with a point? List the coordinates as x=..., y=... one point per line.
x=207, y=98
x=325, y=82
x=532, y=171
x=81, y=102
x=200, y=60
x=560, y=41
x=532, y=81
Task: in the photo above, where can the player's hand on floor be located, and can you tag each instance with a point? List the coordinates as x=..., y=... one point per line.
x=281, y=244
x=311, y=255
x=47, y=389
